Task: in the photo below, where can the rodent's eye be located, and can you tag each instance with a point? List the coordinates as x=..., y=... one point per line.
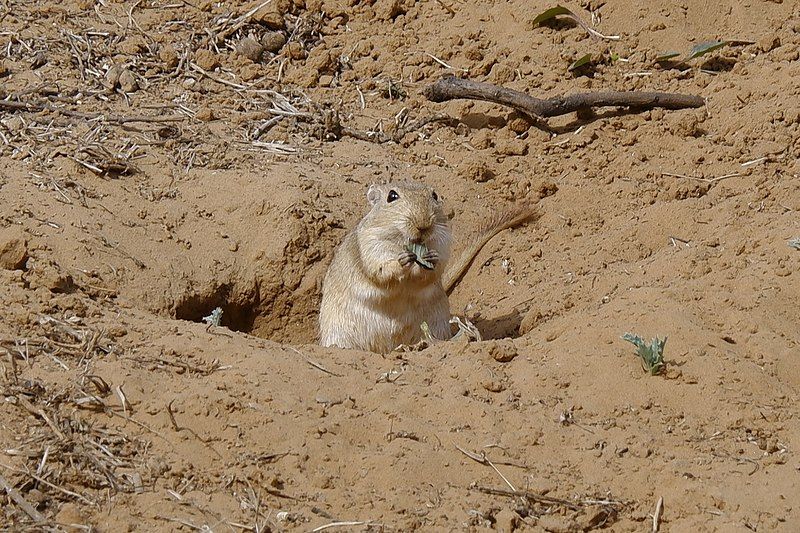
x=392, y=196
x=435, y=197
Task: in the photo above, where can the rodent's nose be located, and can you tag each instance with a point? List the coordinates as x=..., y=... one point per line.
x=418, y=228
x=420, y=231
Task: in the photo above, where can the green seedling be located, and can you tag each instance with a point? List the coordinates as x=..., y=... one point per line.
x=554, y=12
x=794, y=243
x=698, y=50
x=704, y=48
x=580, y=62
x=419, y=251
x=666, y=56
x=215, y=318
x=652, y=355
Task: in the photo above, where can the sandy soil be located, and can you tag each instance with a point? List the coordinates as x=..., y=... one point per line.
x=148, y=182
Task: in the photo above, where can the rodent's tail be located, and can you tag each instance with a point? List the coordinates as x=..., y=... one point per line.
x=501, y=220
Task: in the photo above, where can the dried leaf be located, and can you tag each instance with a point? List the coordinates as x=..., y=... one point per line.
x=580, y=62
x=551, y=13
x=560, y=10
x=704, y=48
x=666, y=56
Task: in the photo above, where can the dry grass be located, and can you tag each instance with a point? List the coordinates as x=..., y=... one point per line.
x=60, y=452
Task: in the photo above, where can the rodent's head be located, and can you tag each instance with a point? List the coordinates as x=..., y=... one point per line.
x=408, y=212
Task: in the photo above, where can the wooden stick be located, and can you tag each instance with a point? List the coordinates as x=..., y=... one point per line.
x=451, y=88
x=23, y=504
x=657, y=514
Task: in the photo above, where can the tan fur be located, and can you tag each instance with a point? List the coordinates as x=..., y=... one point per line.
x=370, y=299
x=496, y=224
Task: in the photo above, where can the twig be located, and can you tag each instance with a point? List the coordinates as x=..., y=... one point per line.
x=51, y=485
x=451, y=88
x=190, y=430
x=312, y=363
x=237, y=86
x=657, y=513
x=41, y=414
x=540, y=498
x=338, y=524
x=482, y=459
x=700, y=178
x=445, y=65
x=23, y=504
x=239, y=22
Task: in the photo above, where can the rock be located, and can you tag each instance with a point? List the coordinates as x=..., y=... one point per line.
x=389, y=9
x=250, y=72
x=112, y=76
x=70, y=515
x=13, y=249
x=127, y=81
x=206, y=59
x=169, y=56
x=530, y=321
x=273, y=41
x=475, y=170
x=133, y=45
x=503, y=351
x=769, y=43
x=48, y=275
x=321, y=60
x=493, y=385
x=511, y=147
x=506, y=521
x=295, y=50
x=205, y=114
x=518, y=123
x=272, y=14
x=250, y=48
x=502, y=74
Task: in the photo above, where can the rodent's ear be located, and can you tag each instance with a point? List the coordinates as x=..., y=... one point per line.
x=374, y=194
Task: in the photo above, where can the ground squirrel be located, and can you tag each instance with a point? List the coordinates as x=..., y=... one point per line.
x=387, y=275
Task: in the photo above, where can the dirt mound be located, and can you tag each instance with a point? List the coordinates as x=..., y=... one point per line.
x=163, y=159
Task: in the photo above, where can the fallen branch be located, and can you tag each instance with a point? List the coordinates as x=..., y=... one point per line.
x=532, y=496
x=451, y=88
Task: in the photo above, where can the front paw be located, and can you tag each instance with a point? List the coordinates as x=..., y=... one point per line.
x=431, y=256
x=406, y=258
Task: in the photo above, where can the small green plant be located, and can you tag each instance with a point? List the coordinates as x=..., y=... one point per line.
x=652, y=355
x=580, y=62
x=215, y=318
x=419, y=251
x=698, y=50
x=795, y=243
x=554, y=12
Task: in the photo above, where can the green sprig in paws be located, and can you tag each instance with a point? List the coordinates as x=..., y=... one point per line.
x=652, y=355
x=419, y=251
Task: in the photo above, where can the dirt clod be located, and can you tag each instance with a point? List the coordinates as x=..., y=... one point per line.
x=250, y=48
x=273, y=41
x=13, y=249
x=206, y=59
